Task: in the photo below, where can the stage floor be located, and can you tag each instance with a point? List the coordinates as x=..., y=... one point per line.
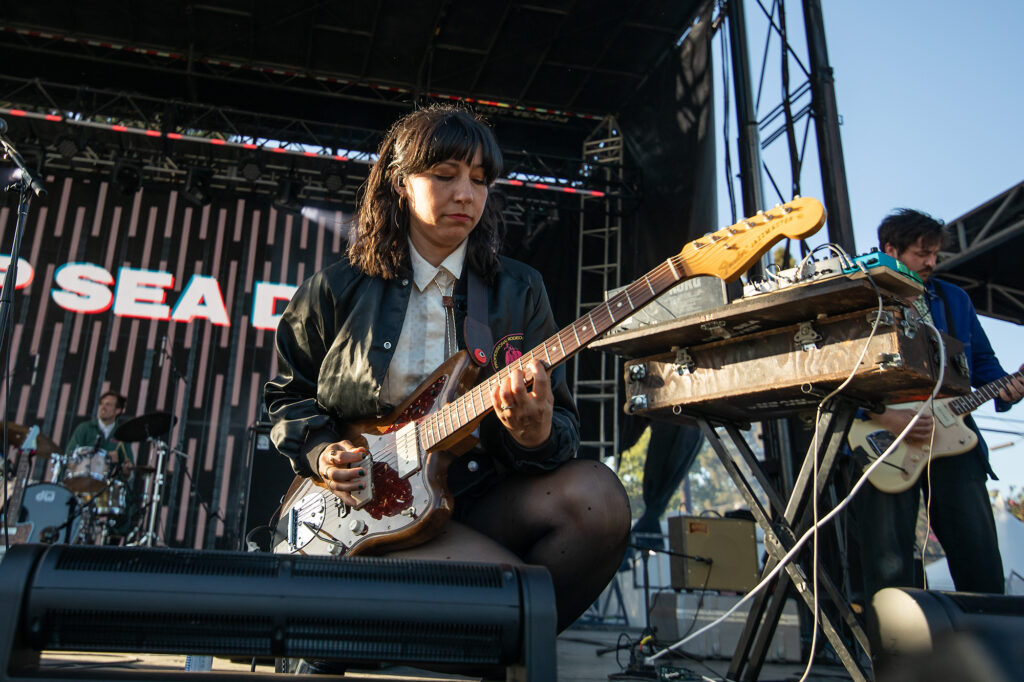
x=584, y=655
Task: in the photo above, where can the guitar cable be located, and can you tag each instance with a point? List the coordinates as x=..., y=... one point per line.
x=798, y=545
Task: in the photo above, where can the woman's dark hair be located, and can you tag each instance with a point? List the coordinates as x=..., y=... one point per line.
x=904, y=226
x=414, y=144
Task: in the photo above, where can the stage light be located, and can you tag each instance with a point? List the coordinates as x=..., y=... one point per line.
x=287, y=198
x=127, y=176
x=251, y=169
x=334, y=180
x=198, y=186
x=67, y=146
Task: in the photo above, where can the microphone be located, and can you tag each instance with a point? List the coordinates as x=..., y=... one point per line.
x=3, y=126
x=163, y=351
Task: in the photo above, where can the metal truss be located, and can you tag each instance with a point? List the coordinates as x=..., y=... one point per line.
x=90, y=131
x=982, y=233
x=775, y=142
x=596, y=376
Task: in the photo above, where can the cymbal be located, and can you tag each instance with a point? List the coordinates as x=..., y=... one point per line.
x=16, y=436
x=147, y=426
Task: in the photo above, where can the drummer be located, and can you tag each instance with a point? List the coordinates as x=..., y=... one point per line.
x=97, y=433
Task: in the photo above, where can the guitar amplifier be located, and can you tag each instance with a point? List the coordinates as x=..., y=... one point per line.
x=782, y=371
x=727, y=549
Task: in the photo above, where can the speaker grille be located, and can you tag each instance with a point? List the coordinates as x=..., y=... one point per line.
x=169, y=562
x=73, y=629
x=401, y=571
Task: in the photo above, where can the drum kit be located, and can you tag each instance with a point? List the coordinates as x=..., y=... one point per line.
x=82, y=497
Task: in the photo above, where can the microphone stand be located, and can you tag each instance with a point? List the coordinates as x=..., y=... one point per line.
x=25, y=182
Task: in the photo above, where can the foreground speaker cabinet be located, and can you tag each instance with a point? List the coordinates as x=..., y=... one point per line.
x=924, y=634
x=491, y=617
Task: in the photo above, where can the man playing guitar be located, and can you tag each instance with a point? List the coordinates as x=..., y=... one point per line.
x=960, y=510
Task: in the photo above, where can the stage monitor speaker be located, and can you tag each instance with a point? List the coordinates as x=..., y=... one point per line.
x=908, y=628
x=270, y=474
x=730, y=544
x=478, y=616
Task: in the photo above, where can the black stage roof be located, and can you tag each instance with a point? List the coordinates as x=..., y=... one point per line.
x=984, y=257
x=556, y=67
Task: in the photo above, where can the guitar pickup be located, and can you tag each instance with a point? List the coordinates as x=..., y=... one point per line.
x=364, y=496
x=407, y=445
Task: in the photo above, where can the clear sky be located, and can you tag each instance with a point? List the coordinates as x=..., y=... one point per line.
x=931, y=95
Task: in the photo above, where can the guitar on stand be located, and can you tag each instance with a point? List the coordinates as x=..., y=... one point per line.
x=18, y=531
x=904, y=465
x=40, y=512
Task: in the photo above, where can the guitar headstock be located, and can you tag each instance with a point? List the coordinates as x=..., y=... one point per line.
x=730, y=251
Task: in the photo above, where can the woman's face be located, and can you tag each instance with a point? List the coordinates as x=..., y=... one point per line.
x=445, y=204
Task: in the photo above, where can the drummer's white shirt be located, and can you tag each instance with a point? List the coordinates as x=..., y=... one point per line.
x=106, y=428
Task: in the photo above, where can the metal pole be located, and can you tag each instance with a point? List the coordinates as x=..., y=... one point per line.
x=748, y=141
x=826, y=127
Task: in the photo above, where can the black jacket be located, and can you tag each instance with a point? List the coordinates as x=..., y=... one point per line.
x=335, y=342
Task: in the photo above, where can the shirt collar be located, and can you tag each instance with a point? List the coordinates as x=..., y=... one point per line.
x=423, y=273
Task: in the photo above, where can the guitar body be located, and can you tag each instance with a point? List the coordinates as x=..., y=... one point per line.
x=406, y=502
x=903, y=467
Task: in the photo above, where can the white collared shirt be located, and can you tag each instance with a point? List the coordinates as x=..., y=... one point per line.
x=106, y=428
x=421, y=345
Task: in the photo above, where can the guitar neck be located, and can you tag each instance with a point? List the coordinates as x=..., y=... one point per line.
x=972, y=401
x=21, y=478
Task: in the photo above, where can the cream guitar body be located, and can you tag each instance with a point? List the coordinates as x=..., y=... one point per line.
x=952, y=436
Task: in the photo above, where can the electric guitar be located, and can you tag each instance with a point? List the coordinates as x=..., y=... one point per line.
x=406, y=500
x=20, y=532
x=904, y=465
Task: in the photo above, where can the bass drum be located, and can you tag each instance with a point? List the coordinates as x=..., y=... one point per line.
x=53, y=512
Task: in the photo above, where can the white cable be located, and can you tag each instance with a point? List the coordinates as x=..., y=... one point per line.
x=828, y=517
x=814, y=496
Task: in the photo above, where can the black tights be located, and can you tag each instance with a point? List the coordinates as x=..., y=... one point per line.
x=574, y=521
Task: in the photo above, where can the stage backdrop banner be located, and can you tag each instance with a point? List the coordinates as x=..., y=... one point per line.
x=171, y=304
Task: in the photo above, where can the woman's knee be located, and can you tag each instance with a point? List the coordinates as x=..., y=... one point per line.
x=593, y=495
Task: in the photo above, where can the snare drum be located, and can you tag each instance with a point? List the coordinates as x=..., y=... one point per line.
x=86, y=470
x=112, y=502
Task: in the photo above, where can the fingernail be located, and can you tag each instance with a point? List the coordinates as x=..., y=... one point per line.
x=362, y=486
x=362, y=472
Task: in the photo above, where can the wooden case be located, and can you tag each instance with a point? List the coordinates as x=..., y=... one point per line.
x=782, y=371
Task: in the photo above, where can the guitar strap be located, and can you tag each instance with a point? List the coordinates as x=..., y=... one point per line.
x=479, y=340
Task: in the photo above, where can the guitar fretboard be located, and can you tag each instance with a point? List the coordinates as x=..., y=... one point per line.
x=973, y=401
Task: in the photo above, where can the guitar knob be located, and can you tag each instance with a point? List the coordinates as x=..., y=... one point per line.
x=357, y=526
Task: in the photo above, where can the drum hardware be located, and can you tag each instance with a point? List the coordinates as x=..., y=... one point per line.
x=153, y=492
x=145, y=427
x=149, y=427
